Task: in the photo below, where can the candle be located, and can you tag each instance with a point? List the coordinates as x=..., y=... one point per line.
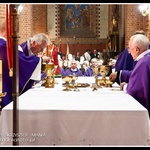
x=0, y=76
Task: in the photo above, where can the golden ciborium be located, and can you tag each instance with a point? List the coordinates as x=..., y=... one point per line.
x=67, y=80
x=49, y=69
x=103, y=70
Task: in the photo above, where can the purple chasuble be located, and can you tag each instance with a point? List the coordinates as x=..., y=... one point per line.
x=62, y=71
x=125, y=61
x=26, y=52
x=139, y=81
x=70, y=72
x=89, y=72
x=124, y=76
x=27, y=65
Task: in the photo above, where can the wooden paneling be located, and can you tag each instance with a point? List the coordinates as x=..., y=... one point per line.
x=74, y=48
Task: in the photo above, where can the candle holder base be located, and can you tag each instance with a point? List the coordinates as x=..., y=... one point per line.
x=1, y=96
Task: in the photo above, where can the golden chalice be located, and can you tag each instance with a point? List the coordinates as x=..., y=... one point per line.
x=103, y=70
x=73, y=82
x=67, y=80
x=49, y=69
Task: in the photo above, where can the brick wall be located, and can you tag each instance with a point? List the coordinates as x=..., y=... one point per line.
x=2, y=11
x=134, y=21
x=33, y=19
x=39, y=18
x=25, y=23
x=146, y=23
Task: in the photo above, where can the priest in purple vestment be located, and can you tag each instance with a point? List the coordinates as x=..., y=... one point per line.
x=124, y=64
x=125, y=60
x=139, y=80
x=89, y=71
x=33, y=46
x=29, y=67
x=73, y=70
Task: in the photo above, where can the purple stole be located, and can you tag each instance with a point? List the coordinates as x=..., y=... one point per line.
x=25, y=48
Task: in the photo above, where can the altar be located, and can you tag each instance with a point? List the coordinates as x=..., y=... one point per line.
x=53, y=117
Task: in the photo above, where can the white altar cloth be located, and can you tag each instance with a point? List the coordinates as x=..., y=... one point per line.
x=51, y=116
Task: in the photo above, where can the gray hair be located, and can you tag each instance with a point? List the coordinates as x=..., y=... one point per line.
x=38, y=38
x=140, y=41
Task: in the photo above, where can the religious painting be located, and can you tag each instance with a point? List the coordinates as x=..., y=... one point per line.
x=77, y=20
x=77, y=16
